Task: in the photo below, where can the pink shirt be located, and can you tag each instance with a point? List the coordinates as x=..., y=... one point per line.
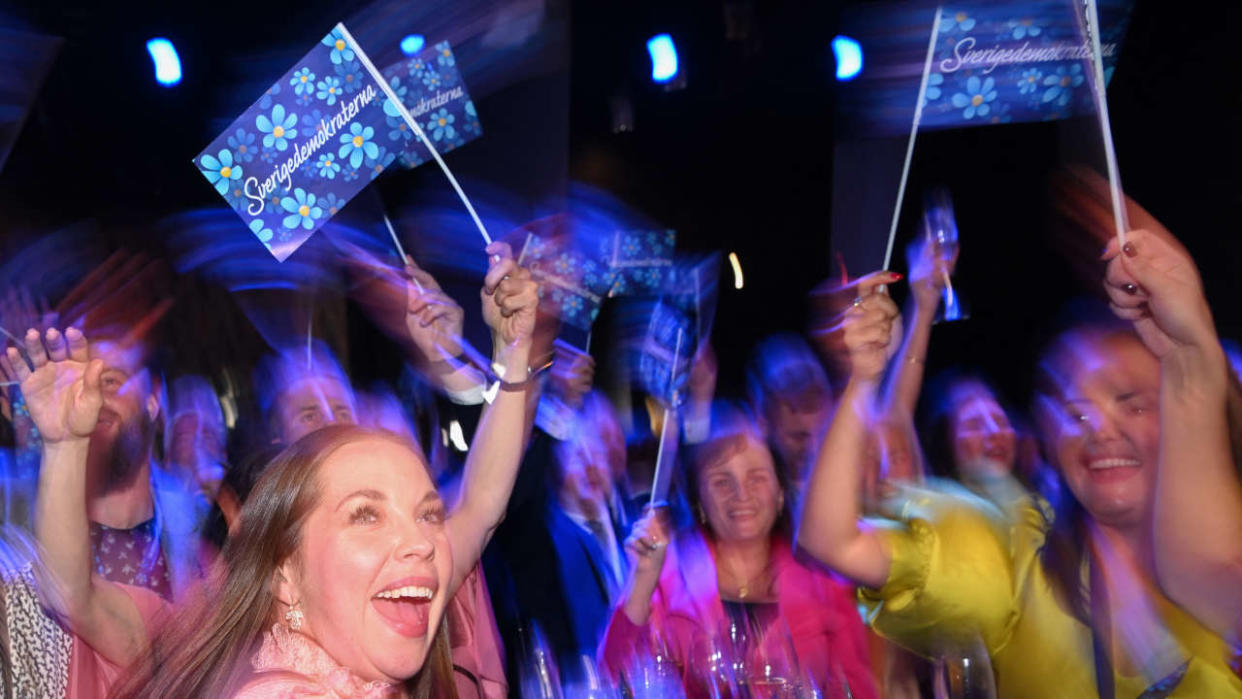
x=292, y=668
x=91, y=675
x=828, y=635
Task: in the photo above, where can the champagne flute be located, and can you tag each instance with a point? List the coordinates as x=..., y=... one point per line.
x=940, y=228
x=539, y=673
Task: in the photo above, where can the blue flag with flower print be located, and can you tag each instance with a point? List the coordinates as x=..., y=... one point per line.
x=435, y=95
x=993, y=62
x=312, y=142
x=572, y=283
x=641, y=261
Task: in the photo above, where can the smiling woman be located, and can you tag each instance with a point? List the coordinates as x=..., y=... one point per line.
x=341, y=568
x=337, y=580
x=736, y=573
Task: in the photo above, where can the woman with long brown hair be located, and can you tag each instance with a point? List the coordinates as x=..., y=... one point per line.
x=338, y=579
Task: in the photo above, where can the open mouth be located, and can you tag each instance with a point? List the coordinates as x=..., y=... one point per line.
x=1112, y=468
x=406, y=606
x=998, y=453
x=1112, y=463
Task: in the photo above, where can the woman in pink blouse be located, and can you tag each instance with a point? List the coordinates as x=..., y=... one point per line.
x=339, y=578
x=735, y=575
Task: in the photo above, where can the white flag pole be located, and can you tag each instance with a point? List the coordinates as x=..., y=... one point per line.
x=1120, y=218
x=914, y=129
x=418, y=131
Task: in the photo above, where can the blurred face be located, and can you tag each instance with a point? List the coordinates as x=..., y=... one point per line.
x=373, y=569
x=197, y=446
x=614, y=443
x=586, y=479
x=122, y=436
x=740, y=495
x=795, y=428
x=310, y=403
x=1108, y=430
x=984, y=443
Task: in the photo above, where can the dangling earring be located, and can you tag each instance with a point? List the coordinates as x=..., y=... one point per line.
x=702, y=515
x=294, y=617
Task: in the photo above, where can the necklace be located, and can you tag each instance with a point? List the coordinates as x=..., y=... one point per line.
x=744, y=584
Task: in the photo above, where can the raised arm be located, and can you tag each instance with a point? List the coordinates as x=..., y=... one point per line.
x=1197, y=527
x=829, y=529
x=510, y=299
x=927, y=275
x=64, y=397
x=434, y=321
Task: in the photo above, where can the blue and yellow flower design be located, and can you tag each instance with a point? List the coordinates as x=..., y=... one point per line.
x=302, y=210
x=1029, y=81
x=357, y=144
x=264, y=234
x=242, y=143
x=278, y=128
x=329, y=89
x=383, y=158
x=303, y=81
x=327, y=166
x=1060, y=84
x=220, y=170
x=440, y=125
x=975, y=100
x=350, y=75
x=1025, y=27
x=341, y=50
x=958, y=20
x=331, y=203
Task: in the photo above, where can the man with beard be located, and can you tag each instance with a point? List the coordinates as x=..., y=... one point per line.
x=142, y=519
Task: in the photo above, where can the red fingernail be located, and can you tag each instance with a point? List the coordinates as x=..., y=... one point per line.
x=896, y=276
x=1129, y=249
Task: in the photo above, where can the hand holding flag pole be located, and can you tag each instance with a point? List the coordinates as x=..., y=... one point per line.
x=666, y=454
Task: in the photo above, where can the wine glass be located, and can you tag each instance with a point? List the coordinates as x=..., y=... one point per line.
x=940, y=229
x=964, y=671
x=539, y=675
x=773, y=671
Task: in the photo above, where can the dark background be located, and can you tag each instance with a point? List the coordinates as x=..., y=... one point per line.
x=740, y=159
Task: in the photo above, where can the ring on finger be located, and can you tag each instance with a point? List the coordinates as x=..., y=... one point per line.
x=1129, y=289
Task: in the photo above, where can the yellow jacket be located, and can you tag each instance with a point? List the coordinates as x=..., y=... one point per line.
x=961, y=568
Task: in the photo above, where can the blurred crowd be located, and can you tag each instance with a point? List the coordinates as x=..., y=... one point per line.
x=488, y=521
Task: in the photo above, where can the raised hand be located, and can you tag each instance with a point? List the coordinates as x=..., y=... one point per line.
x=432, y=317
x=928, y=272
x=646, y=547
x=62, y=391
x=510, y=298
x=572, y=374
x=869, y=329
x=1154, y=282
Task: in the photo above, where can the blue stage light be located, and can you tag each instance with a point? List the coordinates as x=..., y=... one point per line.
x=167, y=64
x=663, y=58
x=849, y=57
x=412, y=44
